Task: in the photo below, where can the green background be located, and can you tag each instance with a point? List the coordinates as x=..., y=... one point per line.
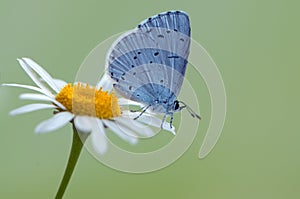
x=255, y=45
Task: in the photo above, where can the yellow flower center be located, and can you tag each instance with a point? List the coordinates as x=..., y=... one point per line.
x=85, y=100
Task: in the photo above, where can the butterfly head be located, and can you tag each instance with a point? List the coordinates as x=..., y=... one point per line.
x=177, y=107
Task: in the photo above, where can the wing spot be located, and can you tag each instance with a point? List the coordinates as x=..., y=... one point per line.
x=135, y=57
x=111, y=74
x=161, y=81
x=149, y=19
x=181, y=39
x=175, y=30
x=168, y=31
x=130, y=87
x=139, y=26
x=160, y=36
x=132, y=66
x=122, y=78
x=139, y=53
x=151, y=62
x=134, y=73
x=156, y=53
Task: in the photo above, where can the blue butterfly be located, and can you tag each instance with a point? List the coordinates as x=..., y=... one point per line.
x=148, y=63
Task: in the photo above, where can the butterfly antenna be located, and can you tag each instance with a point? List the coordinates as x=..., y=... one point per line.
x=190, y=110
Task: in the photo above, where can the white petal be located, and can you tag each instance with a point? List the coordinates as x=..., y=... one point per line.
x=98, y=137
x=59, y=83
x=55, y=122
x=123, y=133
x=31, y=88
x=150, y=120
x=127, y=102
x=105, y=83
x=34, y=96
x=30, y=108
x=39, y=70
x=136, y=126
x=83, y=124
x=166, y=126
x=33, y=75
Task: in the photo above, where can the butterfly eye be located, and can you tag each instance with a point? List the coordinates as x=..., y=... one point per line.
x=176, y=105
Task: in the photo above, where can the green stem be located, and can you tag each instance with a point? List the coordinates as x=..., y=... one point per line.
x=77, y=145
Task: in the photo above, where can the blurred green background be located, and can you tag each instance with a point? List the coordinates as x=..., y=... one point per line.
x=255, y=45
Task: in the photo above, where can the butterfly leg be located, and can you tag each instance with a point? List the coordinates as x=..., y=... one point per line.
x=171, y=120
x=144, y=110
x=163, y=121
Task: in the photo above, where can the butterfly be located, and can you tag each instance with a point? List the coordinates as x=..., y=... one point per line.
x=148, y=63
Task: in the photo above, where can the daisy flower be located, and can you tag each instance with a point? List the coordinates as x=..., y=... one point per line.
x=90, y=109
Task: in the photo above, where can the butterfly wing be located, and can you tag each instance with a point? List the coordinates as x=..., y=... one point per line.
x=149, y=62
x=171, y=30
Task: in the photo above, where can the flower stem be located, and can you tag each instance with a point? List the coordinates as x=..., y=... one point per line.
x=76, y=148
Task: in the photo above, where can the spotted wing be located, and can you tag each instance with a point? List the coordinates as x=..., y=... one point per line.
x=149, y=62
